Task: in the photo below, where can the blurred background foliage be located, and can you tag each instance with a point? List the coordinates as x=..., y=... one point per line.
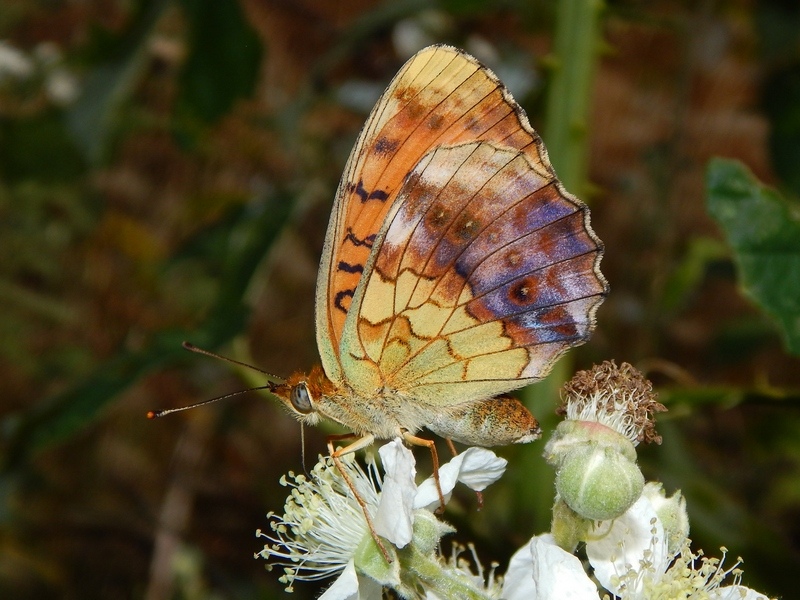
x=166, y=173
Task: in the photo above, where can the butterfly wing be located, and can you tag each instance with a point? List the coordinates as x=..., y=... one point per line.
x=440, y=97
x=484, y=272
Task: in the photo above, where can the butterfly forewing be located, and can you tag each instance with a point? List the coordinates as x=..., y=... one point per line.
x=441, y=97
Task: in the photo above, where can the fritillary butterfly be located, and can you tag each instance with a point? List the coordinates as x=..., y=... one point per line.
x=456, y=267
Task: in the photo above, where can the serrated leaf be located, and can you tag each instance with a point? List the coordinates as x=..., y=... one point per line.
x=763, y=229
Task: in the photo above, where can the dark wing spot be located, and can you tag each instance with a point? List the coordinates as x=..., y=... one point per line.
x=559, y=320
x=338, y=302
x=403, y=95
x=466, y=226
x=364, y=195
x=348, y=268
x=472, y=124
x=415, y=109
x=435, y=122
x=437, y=217
x=359, y=190
x=513, y=258
x=386, y=146
x=378, y=195
x=367, y=241
x=521, y=293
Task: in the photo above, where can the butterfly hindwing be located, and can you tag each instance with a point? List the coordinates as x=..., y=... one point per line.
x=484, y=272
x=441, y=97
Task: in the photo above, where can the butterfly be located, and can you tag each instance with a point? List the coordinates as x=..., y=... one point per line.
x=455, y=269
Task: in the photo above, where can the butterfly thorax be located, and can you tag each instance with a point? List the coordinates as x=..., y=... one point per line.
x=388, y=412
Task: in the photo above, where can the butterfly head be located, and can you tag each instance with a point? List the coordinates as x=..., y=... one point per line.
x=301, y=393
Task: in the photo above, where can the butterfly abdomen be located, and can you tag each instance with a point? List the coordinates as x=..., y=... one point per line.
x=494, y=422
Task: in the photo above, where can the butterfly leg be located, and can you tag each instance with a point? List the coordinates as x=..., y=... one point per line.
x=336, y=455
x=430, y=445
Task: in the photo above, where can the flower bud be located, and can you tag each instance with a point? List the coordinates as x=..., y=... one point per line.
x=598, y=482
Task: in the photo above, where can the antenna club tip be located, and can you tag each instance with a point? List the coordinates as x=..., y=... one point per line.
x=188, y=345
x=151, y=414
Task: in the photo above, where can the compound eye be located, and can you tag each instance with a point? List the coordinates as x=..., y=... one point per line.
x=301, y=399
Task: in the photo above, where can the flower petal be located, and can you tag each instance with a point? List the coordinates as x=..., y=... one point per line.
x=345, y=587
x=622, y=544
x=518, y=581
x=541, y=570
x=475, y=467
x=394, y=518
x=479, y=468
x=735, y=592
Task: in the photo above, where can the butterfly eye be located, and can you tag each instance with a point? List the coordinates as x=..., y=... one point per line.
x=301, y=399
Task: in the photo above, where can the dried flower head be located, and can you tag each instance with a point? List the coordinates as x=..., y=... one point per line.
x=618, y=397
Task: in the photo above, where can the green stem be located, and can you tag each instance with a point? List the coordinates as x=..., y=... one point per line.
x=577, y=39
x=575, y=51
x=444, y=583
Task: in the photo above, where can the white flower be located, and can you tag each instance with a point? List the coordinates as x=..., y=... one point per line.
x=324, y=532
x=541, y=570
x=631, y=558
x=323, y=524
x=394, y=519
x=61, y=86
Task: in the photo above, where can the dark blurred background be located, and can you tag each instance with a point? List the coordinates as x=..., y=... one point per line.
x=167, y=171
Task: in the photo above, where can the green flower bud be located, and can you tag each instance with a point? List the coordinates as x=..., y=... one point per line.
x=598, y=481
x=570, y=435
x=428, y=530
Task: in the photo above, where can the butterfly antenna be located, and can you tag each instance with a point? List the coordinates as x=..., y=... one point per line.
x=154, y=414
x=271, y=386
x=197, y=350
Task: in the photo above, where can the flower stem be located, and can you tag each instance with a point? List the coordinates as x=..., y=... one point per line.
x=445, y=583
x=575, y=53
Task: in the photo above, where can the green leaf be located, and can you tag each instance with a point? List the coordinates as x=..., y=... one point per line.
x=763, y=229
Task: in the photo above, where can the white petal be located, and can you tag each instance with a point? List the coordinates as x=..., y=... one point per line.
x=369, y=589
x=735, y=592
x=480, y=468
x=518, y=580
x=619, y=545
x=543, y=571
x=475, y=467
x=394, y=517
x=345, y=587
